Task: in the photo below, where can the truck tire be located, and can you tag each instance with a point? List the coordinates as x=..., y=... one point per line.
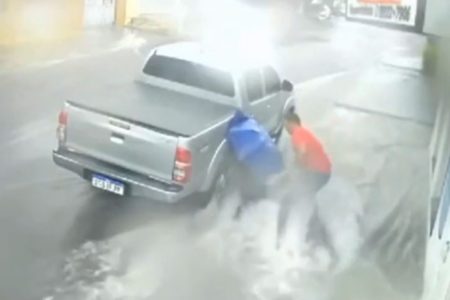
x=219, y=189
x=209, y=204
x=215, y=194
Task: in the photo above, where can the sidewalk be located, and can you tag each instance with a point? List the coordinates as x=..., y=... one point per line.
x=376, y=124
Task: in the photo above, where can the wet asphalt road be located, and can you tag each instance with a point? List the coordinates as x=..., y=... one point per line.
x=45, y=211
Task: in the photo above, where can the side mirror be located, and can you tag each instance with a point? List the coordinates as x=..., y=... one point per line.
x=287, y=86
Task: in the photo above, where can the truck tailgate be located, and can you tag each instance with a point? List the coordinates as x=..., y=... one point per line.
x=121, y=142
x=178, y=113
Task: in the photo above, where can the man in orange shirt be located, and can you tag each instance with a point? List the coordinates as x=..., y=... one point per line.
x=312, y=169
x=314, y=164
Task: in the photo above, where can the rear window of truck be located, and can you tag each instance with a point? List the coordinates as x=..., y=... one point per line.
x=191, y=74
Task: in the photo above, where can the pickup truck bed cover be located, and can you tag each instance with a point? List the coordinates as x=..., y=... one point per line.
x=165, y=110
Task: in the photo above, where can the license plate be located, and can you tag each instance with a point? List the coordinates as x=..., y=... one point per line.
x=108, y=184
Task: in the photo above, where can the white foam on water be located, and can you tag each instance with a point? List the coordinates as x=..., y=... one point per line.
x=169, y=260
x=340, y=207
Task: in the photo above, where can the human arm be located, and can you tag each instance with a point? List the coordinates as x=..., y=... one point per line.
x=300, y=152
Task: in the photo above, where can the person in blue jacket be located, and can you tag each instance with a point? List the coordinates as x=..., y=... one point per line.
x=256, y=158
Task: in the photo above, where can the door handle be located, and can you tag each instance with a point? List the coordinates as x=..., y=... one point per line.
x=119, y=124
x=117, y=138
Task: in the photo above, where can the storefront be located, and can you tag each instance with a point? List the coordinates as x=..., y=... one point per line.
x=401, y=14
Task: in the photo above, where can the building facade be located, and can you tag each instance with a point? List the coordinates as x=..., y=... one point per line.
x=437, y=266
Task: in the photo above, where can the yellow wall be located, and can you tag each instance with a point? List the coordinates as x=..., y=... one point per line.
x=6, y=25
x=121, y=11
x=125, y=10
x=23, y=21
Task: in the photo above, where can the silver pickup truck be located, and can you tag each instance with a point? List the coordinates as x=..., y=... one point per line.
x=162, y=136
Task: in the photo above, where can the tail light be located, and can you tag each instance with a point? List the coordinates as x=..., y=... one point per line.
x=63, y=117
x=183, y=166
x=62, y=124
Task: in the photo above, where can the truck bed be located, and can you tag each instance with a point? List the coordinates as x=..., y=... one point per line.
x=165, y=110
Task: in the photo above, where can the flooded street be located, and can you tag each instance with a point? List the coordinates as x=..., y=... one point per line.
x=373, y=223
x=65, y=241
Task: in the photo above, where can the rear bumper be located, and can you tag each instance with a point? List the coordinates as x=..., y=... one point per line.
x=135, y=184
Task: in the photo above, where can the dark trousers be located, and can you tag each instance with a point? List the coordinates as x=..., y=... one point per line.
x=306, y=185
x=310, y=182
x=250, y=187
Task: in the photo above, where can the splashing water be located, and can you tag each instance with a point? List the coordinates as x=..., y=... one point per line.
x=171, y=260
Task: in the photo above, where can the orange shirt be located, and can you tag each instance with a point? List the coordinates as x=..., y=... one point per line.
x=314, y=158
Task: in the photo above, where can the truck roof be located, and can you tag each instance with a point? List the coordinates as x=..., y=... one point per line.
x=213, y=56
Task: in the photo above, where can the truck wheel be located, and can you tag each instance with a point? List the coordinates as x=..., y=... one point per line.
x=219, y=190
x=213, y=196
x=210, y=203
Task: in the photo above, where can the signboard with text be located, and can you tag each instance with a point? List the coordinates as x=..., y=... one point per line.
x=389, y=12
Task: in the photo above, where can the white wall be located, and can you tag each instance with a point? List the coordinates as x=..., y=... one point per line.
x=437, y=17
x=437, y=268
x=440, y=147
